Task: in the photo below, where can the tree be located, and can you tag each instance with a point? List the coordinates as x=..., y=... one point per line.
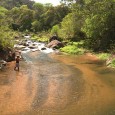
x=99, y=24
x=9, y=4
x=71, y=27
x=3, y=12
x=67, y=31
x=55, y=30
x=36, y=26
x=96, y=20
x=54, y=15
x=25, y=18
x=39, y=10
x=22, y=18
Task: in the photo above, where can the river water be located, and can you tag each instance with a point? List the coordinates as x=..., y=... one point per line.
x=57, y=84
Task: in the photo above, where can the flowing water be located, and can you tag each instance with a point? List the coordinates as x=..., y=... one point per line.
x=57, y=84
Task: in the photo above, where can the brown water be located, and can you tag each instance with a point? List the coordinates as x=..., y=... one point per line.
x=52, y=84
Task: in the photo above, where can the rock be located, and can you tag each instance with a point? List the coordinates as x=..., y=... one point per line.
x=53, y=38
x=55, y=44
x=43, y=48
x=2, y=64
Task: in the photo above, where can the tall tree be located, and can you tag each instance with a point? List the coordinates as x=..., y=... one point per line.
x=39, y=10
x=6, y=34
x=99, y=24
x=22, y=18
x=9, y=4
x=54, y=15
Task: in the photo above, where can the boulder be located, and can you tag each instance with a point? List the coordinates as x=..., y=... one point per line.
x=55, y=44
x=53, y=38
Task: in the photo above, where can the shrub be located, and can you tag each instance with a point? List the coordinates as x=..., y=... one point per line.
x=103, y=56
x=113, y=63
x=73, y=48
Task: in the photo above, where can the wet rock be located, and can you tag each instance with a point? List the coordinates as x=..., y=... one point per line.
x=43, y=48
x=2, y=63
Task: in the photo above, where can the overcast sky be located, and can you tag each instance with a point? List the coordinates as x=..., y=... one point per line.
x=54, y=2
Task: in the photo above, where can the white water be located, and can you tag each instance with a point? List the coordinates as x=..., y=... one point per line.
x=37, y=46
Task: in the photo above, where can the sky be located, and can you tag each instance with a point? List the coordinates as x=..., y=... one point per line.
x=54, y=2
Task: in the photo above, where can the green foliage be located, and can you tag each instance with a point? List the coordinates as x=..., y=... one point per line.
x=53, y=16
x=41, y=37
x=103, y=56
x=66, y=32
x=22, y=18
x=74, y=20
x=36, y=26
x=39, y=8
x=9, y=4
x=71, y=27
x=6, y=37
x=73, y=48
x=99, y=24
x=40, y=18
x=55, y=29
x=112, y=64
x=6, y=34
x=3, y=12
x=91, y=19
x=79, y=44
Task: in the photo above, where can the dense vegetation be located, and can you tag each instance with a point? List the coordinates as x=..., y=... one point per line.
x=92, y=21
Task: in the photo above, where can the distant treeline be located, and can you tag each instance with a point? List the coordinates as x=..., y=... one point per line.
x=73, y=20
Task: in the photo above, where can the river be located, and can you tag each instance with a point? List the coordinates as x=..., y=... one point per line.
x=57, y=84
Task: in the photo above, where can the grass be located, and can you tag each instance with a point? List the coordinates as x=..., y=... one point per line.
x=40, y=39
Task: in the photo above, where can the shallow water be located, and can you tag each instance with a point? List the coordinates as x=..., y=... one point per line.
x=56, y=84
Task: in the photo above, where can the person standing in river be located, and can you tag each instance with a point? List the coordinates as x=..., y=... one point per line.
x=17, y=60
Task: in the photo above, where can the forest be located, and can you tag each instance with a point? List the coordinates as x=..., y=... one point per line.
x=91, y=23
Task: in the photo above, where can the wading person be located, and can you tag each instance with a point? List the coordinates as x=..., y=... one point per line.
x=17, y=63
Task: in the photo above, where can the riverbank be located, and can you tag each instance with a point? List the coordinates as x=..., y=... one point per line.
x=108, y=59
x=74, y=48
x=78, y=48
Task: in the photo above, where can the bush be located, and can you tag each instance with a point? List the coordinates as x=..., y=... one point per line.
x=73, y=48
x=113, y=63
x=103, y=56
x=40, y=39
x=6, y=37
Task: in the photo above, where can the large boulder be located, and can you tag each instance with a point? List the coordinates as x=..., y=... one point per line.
x=55, y=44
